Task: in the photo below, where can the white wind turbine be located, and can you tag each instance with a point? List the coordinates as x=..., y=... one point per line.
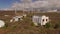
x=26, y=2
x=15, y=7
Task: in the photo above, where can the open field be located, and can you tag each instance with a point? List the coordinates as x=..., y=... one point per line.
x=25, y=26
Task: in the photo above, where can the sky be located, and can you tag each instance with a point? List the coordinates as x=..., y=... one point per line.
x=7, y=3
x=10, y=4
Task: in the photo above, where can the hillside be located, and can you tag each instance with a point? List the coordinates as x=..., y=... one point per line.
x=26, y=27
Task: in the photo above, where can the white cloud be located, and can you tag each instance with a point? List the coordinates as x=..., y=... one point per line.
x=26, y=1
x=36, y=4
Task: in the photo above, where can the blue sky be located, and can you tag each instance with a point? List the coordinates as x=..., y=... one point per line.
x=46, y=3
x=6, y=3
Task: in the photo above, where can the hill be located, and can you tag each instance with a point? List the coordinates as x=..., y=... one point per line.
x=25, y=26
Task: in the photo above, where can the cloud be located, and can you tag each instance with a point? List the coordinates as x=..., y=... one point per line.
x=26, y=0
x=37, y=4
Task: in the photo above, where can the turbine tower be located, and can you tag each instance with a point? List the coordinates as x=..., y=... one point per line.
x=15, y=7
x=26, y=2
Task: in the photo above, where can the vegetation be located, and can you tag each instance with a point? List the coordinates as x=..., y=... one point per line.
x=57, y=26
x=26, y=27
x=48, y=25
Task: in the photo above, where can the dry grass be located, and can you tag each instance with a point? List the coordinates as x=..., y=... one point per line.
x=25, y=26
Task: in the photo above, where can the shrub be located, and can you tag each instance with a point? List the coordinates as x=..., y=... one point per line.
x=6, y=25
x=48, y=25
x=32, y=24
x=57, y=26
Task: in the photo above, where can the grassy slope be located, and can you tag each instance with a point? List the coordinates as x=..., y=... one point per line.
x=25, y=26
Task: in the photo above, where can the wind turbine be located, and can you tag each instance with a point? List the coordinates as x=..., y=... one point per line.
x=14, y=6
x=26, y=2
x=15, y=11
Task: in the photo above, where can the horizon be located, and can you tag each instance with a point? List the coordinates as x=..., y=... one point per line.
x=29, y=4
